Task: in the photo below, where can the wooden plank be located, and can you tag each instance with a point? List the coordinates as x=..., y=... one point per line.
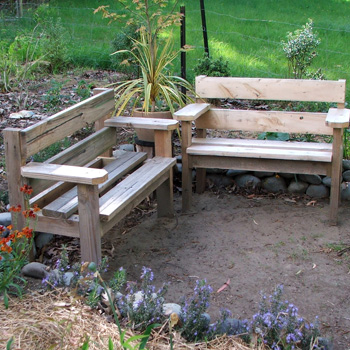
x=123, y=193
x=89, y=223
x=263, y=153
x=66, y=122
x=162, y=143
x=338, y=118
x=67, y=173
x=67, y=204
x=256, y=164
x=271, y=89
x=192, y=111
x=143, y=123
x=262, y=121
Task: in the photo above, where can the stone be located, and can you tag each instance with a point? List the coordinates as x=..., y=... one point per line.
x=232, y=326
x=274, y=184
x=42, y=238
x=346, y=164
x=5, y=219
x=128, y=147
x=233, y=173
x=206, y=317
x=67, y=278
x=327, y=181
x=219, y=180
x=215, y=171
x=346, y=175
x=317, y=191
x=178, y=168
x=297, y=187
x=169, y=308
x=35, y=270
x=311, y=179
x=22, y=115
x=248, y=181
x=287, y=176
x=261, y=174
x=345, y=192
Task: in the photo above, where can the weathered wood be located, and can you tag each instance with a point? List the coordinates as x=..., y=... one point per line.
x=89, y=223
x=192, y=111
x=262, y=121
x=67, y=173
x=338, y=118
x=66, y=122
x=142, y=123
x=271, y=89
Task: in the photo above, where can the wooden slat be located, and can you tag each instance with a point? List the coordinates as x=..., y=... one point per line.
x=338, y=118
x=67, y=204
x=65, y=173
x=262, y=121
x=125, y=192
x=66, y=122
x=143, y=123
x=192, y=111
x=255, y=164
x=271, y=89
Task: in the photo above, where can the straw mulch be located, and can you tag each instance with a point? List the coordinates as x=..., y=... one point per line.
x=60, y=320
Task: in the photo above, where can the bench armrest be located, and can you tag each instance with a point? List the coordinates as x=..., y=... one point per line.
x=66, y=173
x=338, y=118
x=143, y=123
x=191, y=112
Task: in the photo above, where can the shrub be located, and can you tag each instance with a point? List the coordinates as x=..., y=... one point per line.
x=212, y=67
x=300, y=50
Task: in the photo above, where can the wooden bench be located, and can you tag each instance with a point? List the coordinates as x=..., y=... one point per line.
x=202, y=152
x=81, y=193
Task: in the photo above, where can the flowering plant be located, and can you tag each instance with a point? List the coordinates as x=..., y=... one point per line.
x=15, y=247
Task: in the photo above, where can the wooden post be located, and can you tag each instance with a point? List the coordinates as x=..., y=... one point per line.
x=204, y=28
x=19, y=5
x=186, y=170
x=165, y=196
x=183, y=43
x=201, y=173
x=89, y=223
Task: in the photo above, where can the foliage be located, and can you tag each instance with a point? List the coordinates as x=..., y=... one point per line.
x=276, y=136
x=212, y=67
x=53, y=96
x=83, y=90
x=15, y=249
x=279, y=326
x=346, y=144
x=51, y=150
x=300, y=50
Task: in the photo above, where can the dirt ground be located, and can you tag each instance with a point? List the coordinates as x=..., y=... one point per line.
x=257, y=243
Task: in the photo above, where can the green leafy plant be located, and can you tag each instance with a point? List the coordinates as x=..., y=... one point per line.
x=276, y=136
x=300, y=50
x=15, y=249
x=53, y=96
x=83, y=90
x=212, y=67
x=52, y=150
x=346, y=144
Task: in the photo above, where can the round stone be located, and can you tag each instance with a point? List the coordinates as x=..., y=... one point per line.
x=298, y=187
x=233, y=173
x=346, y=164
x=248, y=181
x=311, y=179
x=261, y=174
x=220, y=181
x=327, y=181
x=346, y=175
x=318, y=191
x=35, y=270
x=274, y=184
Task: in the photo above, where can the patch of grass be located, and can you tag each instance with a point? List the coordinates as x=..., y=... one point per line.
x=336, y=246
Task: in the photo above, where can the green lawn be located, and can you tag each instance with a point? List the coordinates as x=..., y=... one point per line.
x=246, y=33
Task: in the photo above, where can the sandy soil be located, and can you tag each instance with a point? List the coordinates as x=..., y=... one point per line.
x=257, y=243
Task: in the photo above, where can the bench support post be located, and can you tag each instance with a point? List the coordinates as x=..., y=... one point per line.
x=201, y=173
x=165, y=196
x=89, y=223
x=337, y=154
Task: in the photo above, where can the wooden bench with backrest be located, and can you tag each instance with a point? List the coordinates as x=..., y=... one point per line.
x=203, y=152
x=81, y=193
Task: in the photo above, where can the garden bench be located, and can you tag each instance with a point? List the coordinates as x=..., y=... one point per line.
x=81, y=193
x=203, y=152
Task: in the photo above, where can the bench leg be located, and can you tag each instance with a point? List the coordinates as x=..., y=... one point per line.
x=89, y=223
x=165, y=197
x=201, y=178
x=336, y=175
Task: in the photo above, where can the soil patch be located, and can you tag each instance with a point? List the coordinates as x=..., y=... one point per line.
x=257, y=243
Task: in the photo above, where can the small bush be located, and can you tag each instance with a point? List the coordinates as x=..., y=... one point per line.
x=212, y=67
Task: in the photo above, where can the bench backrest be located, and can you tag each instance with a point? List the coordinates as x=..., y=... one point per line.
x=273, y=90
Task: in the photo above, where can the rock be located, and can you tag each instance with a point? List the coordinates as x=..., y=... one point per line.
x=35, y=270
x=311, y=179
x=42, y=238
x=5, y=219
x=248, y=181
x=128, y=147
x=298, y=187
x=274, y=184
x=345, y=191
x=346, y=175
x=22, y=115
x=325, y=344
x=206, y=317
x=327, y=181
x=346, y=164
x=261, y=174
x=233, y=173
x=232, y=326
x=287, y=175
x=67, y=278
x=178, y=168
x=215, y=171
x=179, y=158
x=169, y=308
x=317, y=191
x=219, y=180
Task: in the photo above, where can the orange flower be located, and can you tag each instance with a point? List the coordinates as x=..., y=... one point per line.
x=36, y=208
x=26, y=189
x=6, y=248
x=10, y=227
